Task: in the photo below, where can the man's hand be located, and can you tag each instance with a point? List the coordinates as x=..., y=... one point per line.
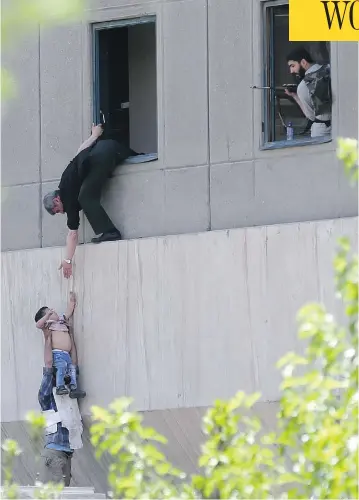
x=96, y=131
x=66, y=269
x=291, y=94
x=48, y=314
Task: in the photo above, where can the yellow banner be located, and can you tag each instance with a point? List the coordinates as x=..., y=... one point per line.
x=324, y=20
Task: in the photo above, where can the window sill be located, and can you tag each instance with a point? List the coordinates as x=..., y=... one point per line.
x=140, y=163
x=141, y=158
x=309, y=141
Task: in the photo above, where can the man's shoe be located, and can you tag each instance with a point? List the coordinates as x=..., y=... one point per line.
x=61, y=390
x=76, y=393
x=109, y=236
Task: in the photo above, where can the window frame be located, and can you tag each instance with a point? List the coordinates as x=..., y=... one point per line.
x=95, y=30
x=267, y=25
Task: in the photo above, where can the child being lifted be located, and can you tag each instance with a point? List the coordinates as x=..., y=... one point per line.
x=63, y=344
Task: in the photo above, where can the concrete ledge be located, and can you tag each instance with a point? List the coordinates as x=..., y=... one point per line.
x=182, y=428
x=75, y=493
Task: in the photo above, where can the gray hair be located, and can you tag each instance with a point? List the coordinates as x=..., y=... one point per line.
x=48, y=201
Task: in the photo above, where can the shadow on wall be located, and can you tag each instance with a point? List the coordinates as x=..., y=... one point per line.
x=181, y=426
x=86, y=470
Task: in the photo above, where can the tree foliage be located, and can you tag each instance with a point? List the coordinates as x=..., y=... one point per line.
x=313, y=451
x=20, y=18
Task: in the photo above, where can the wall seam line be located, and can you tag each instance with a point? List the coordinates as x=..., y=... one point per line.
x=40, y=145
x=208, y=121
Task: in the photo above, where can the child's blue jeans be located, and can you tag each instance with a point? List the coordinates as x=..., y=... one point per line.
x=63, y=364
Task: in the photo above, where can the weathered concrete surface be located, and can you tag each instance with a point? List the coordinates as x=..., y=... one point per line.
x=173, y=322
x=85, y=493
x=211, y=172
x=181, y=427
x=86, y=470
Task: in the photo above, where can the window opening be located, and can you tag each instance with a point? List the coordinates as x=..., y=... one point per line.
x=284, y=122
x=125, y=82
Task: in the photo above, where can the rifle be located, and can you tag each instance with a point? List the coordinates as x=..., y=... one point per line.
x=292, y=87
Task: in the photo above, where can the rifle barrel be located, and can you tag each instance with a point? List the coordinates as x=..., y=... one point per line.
x=279, y=87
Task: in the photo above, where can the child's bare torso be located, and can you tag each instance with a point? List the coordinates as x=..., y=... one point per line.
x=61, y=340
x=60, y=334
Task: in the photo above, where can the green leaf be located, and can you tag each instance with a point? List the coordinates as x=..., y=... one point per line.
x=251, y=400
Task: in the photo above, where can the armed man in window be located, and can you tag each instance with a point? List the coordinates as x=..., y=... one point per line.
x=81, y=187
x=313, y=94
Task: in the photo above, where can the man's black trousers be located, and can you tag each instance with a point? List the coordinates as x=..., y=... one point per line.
x=101, y=162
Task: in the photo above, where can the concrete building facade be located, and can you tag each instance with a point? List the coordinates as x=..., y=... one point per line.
x=213, y=170
x=174, y=322
x=189, y=317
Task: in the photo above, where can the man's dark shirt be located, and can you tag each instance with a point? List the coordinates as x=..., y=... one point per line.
x=70, y=185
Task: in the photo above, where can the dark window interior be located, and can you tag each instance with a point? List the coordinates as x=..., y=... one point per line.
x=125, y=84
x=114, y=82
x=279, y=107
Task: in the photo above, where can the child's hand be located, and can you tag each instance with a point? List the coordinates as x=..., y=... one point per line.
x=49, y=312
x=73, y=298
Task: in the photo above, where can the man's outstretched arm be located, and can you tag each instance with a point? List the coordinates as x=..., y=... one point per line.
x=73, y=219
x=302, y=98
x=71, y=244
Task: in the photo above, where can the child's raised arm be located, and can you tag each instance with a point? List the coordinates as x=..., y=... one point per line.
x=71, y=306
x=42, y=322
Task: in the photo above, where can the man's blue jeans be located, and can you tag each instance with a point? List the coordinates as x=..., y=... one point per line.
x=63, y=364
